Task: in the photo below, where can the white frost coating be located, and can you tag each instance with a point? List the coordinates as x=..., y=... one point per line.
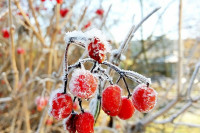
x=82, y=87
x=97, y=33
x=146, y=96
x=53, y=94
x=93, y=105
x=78, y=34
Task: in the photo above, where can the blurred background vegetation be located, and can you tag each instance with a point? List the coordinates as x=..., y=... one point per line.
x=166, y=48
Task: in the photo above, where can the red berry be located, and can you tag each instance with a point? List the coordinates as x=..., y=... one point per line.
x=97, y=50
x=111, y=100
x=87, y=25
x=43, y=0
x=127, y=109
x=85, y=123
x=59, y=1
x=20, y=51
x=49, y=122
x=41, y=102
x=83, y=84
x=144, y=98
x=61, y=106
x=63, y=12
x=5, y=33
x=70, y=123
x=99, y=12
x=3, y=82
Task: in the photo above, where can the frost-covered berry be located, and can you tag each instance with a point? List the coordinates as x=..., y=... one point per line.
x=70, y=123
x=83, y=84
x=5, y=33
x=111, y=100
x=97, y=50
x=144, y=98
x=99, y=12
x=61, y=106
x=85, y=123
x=63, y=12
x=20, y=51
x=41, y=102
x=127, y=109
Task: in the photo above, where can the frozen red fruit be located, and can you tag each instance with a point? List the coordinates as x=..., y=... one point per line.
x=5, y=33
x=87, y=25
x=61, y=106
x=49, y=122
x=83, y=84
x=70, y=123
x=20, y=51
x=59, y=1
x=99, y=12
x=127, y=109
x=63, y=12
x=41, y=102
x=3, y=82
x=43, y=0
x=97, y=50
x=144, y=98
x=85, y=123
x=111, y=100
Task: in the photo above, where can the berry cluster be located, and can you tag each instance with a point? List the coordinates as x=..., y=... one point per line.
x=85, y=84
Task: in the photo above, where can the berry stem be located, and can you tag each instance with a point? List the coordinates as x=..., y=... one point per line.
x=129, y=94
x=80, y=104
x=74, y=99
x=118, y=79
x=94, y=66
x=65, y=83
x=107, y=75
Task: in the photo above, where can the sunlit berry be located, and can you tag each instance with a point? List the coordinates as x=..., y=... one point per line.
x=83, y=84
x=127, y=109
x=20, y=51
x=70, y=122
x=59, y=1
x=144, y=98
x=111, y=100
x=85, y=123
x=5, y=33
x=99, y=12
x=63, y=12
x=61, y=106
x=97, y=50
